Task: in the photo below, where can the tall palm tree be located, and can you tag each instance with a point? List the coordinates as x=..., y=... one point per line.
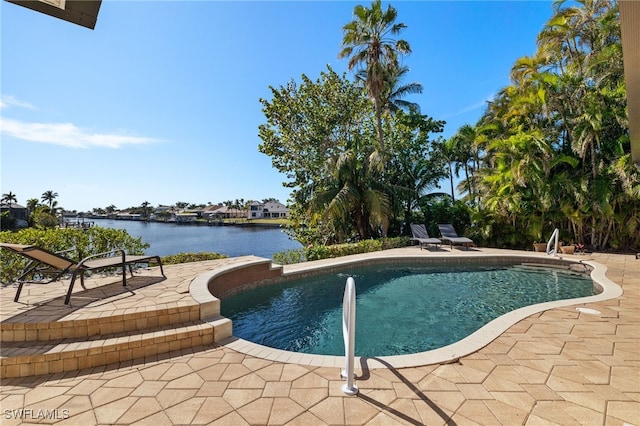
x=369, y=43
x=49, y=196
x=145, y=209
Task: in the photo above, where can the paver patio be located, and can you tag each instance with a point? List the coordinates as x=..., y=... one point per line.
x=558, y=367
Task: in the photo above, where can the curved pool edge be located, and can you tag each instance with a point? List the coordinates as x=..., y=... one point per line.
x=447, y=354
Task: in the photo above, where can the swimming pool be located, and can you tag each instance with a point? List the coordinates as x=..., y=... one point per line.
x=401, y=308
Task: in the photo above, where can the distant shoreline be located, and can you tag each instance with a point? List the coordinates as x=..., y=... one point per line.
x=86, y=222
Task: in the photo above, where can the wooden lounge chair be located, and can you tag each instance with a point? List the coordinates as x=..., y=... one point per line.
x=448, y=233
x=43, y=262
x=421, y=235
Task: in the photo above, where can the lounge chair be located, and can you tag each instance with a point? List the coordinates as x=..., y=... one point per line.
x=448, y=233
x=421, y=235
x=43, y=262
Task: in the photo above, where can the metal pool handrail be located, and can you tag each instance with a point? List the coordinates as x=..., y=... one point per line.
x=554, y=238
x=349, y=335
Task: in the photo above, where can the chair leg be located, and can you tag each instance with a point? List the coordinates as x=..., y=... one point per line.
x=15, y=299
x=160, y=264
x=73, y=280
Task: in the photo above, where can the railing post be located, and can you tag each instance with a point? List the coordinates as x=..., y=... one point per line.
x=349, y=335
x=554, y=238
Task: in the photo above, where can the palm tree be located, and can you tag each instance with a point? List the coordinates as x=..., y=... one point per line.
x=145, y=209
x=49, y=196
x=350, y=199
x=9, y=198
x=396, y=91
x=32, y=203
x=368, y=42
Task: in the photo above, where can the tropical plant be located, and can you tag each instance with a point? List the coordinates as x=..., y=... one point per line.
x=369, y=43
x=48, y=197
x=557, y=151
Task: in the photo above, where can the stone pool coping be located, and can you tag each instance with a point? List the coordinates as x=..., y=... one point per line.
x=199, y=289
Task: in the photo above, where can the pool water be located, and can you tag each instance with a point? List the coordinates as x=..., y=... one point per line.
x=400, y=309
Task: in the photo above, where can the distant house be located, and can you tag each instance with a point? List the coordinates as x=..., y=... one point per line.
x=186, y=217
x=18, y=212
x=128, y=216
x=226, y=212
x=270, y=210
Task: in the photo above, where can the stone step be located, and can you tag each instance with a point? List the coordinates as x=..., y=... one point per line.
x=29, y=358
x=13, y=330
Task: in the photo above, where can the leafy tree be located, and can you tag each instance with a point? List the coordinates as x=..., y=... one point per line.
x=44, y=218
x=308, y=123
x=413, y=167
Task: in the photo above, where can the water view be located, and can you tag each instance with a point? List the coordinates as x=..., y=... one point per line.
x=170, y=238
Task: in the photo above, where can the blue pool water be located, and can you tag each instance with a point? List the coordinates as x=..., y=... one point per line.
x=399, y=309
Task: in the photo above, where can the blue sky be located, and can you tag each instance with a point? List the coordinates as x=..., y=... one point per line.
x=160, y=102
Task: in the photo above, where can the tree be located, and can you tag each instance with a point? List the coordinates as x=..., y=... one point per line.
x=145, y=209
x=43, y=217
x=413, y=166
x=49, y=196
x=558, y=148
x=32, y=203
x=368, y=42
x=350, y=199
x=396, y=91
x=9, y=198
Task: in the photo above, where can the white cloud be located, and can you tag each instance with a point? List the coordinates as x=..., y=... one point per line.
x=66, y=134
x=8, y=100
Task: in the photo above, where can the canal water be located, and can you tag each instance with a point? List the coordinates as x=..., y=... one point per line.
x=171, y=238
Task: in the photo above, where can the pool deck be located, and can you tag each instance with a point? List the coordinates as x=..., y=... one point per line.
x=556, y=367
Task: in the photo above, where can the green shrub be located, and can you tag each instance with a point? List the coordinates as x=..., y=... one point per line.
x=191, y=257
x=82, y=242
x=319, y=251
x=289, y=256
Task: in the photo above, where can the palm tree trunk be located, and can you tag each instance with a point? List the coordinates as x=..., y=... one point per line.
x=376, y=103
x=453, y=197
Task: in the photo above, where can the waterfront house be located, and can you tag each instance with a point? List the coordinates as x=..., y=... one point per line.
x=186, y=217
x=128, y=216
x=210, y=211
x=17, y=212
x=269, y=210
x=226, y=212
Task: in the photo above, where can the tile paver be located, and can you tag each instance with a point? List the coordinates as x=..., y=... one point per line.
x=555, y=367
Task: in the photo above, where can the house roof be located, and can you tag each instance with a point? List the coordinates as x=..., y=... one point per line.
x=80, y=12
x=13, y=206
